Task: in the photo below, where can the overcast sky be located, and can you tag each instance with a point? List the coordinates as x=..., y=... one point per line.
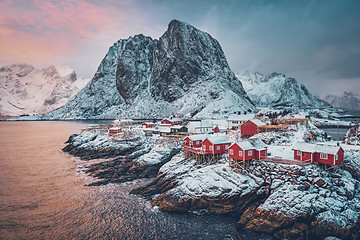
x=316, y=42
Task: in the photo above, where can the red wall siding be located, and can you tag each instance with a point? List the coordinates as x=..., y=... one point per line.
x=296, y=157
x=340, y=156
x=235, y=154
x=249, y=128
x=207, y=145
x=260, y=154
x=306, y=156
x=194, y=143
x=263, y=154
x=328, y=160
x=187, y=141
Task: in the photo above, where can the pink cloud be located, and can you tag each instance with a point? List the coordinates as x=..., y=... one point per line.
x=39, y=31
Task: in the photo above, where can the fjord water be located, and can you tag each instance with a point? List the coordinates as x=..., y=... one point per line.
x=43, y=196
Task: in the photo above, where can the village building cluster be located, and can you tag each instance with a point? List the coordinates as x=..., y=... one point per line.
x=207, y=140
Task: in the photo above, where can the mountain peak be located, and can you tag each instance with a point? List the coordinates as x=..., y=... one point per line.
x=184, y=72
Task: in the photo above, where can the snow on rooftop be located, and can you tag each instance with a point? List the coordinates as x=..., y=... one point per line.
x=252, y=144
x=258, y=122
x=197, y=137
x=311, y=148
x=219, y=139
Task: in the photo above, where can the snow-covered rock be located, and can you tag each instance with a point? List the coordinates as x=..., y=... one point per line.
x=277, y=90
x=27, y=90
x=184, y=72
x=352, y=136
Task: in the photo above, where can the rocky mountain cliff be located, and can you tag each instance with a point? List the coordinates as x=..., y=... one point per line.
x=184, y=72
x=277, y=90
x=27, y=90
x=347, y=100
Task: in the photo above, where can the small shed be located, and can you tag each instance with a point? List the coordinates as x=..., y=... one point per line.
x=148, y=125
x=114, y=130
x=216, y=129
x=251, y=127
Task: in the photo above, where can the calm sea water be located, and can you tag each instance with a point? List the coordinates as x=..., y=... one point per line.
x=43, y=196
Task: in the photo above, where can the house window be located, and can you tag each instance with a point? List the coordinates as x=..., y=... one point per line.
x=336, y=157
x=298, y=153
x=240, y=153
x=204, y=147
x=235, y=122
x=197, y=142
x=210, y=148
x=231, y=152
x=323, y=156
x=250, y=153
x=226, y=147
x=217, y=147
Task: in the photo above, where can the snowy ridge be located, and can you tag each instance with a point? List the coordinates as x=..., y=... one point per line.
x=277, y=90
x=347, y=100
x=184, y=72
x=27, y=90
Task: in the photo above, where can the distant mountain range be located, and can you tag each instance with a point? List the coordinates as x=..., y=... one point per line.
x=27, y=90
x=347, y=101
x=278, y=91
x=185, y=72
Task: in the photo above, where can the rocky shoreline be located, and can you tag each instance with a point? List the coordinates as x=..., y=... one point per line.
x=285, y=201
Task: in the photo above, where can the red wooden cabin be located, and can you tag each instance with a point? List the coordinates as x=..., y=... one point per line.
x=216, y=129
x=326, y=154
x=216, y=144
x=194, y=141
x=148, y=125
x=248, y=150
x=251, y=127
x=114, y=130
x=170, y=122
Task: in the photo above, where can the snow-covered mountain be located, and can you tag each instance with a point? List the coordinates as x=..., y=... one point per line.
x=184, y=72
x=277, y=90
x=27, y=90
x=347, y=100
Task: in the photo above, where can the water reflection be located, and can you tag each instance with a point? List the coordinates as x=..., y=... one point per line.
x=42, y=196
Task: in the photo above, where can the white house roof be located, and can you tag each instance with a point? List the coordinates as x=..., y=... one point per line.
x=258, y=122
x=149, y=123
x=177, y=127
x=218, y=139
x=312, y=148
x=115, y=128
x=197, y=137
x=240, y=117
x=251, y=144
x=305, y=147
x=329, y=149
